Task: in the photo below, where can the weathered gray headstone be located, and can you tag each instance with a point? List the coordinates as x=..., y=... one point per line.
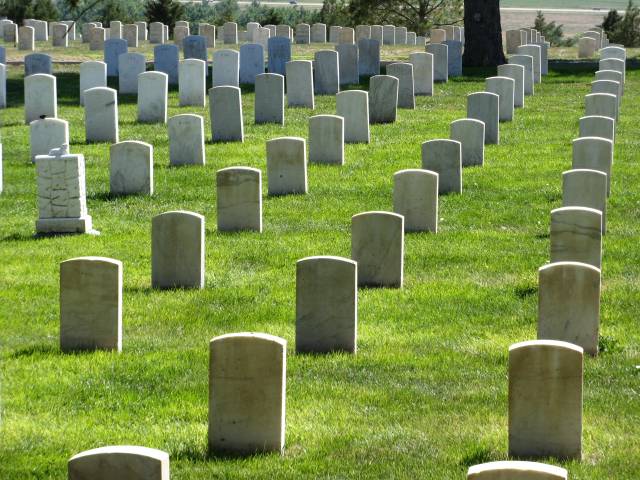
x=186, y=140
x=470, y=133
x=26, y=39
x=166, y=60
x=404, y=73
x=131, y=168
x=604, y=104
x=192, y=82
x=113, y=48
x=388, y=34
x=37, y=63
x=422, y=73
x=383, y=99
x=454, y=58
x=514, y=40
x=279, y=54
x=130, y=35
x=209, y=33
x=516, y=73
x=348, y=63
x=326, y=139
x=444, y=157
x=251, y=62
x=303, y=33
x=326, y=79
x=46, y=134
x=299, y=78
x=101, y=114
x=353, y=106
x=157, y=33
x=598, y=126
x=195, y=46
x=286, y=165
x=440, y=54
x=614, y=76
x=415, y=197
x=586, y=188
x=484, y=106
x=40, y=97
x=119, y=462
x=525, y=61
x=318, y=33
x=153, y=90
x=368, y=57
x=515, y=470
x=142, y=31
x=269, y=98
x=586, y=47
x=92, y=74
x=239, y=199
x=534, y=51
x=225, y=109
x=226, y=68
x=503, y=87
x=594, y=153
x=230, y=30
x=576, y=235
x=59, y=37
x=97, y=38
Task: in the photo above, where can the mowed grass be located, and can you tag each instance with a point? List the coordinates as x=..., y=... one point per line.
x=426, y=394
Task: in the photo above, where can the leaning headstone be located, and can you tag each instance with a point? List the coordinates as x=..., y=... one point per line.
x=326, y=78
x=90, y=304
x=153, y=91
x=534, y=51
x=422, y=72
x=247, y=385
x=230, y=32
x=377, y=245
x=251, y=63
x=92, y=74
x=545, y=399
x=525, y=61
x=503, y=87
x=404, y=73
x=353, y=106
x=119, y=462
x=299, y=78
x=326, y=139
x=279, y=54
x=130, y=65
x=516, y=470
x=326, y=305
x=586, y=47
x=318, y=33
x=37, y=63
x=516, y=73
x=131, y=168
x=40, y=97
x=157, y=33
x=286, y=166
x=192, y=83
x=186, y=140
x=440, y=54
x=454, y=58
x=594, y=153
x=225, y=110
x=470, y=133
x=177, y=250
x=239, y=199
x=348, y=63
x=569, y=304
x=415, y=197
x=130, y=35
x=226, y=68
x=101, y=114
x=444, y=157
x=383, y=99
x=597, y=126
x=484, y=106
x=166, y=59
x=269, y=98
x=576, y=235
x=604, y=104
x=62, y=203
x=46, y=134
x=368, y=57
x=26, y=39
x=195, y=46
x=97, y=39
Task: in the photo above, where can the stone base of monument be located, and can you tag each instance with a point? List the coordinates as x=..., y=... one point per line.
x=51, y=226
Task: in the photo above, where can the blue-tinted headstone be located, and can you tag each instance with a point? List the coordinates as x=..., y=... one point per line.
x=166, y=59
x=113, y=48
x=454, y=57
x=195, y=46
x=37, y=63
x=368, y=57
x=279, y=54
x=3, y=55
x=251, y=62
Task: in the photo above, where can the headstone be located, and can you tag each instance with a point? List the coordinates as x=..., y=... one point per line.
x=113, y=48
x=26, y=39
x=40, y=97
x=615, y=65
x=415, y=197
x=318, y=33
x=230, y=30
x=157, y=33
x=353, y=107
x=545, y=399
x=130, y=65
x=262, y=37
x=334, y=34
x=62, y=203
x=411, y=38
x=503, y=87
x=400, y=35
x=326, y=305
x=286, y=165
x=594, y=153
x=404, y=73
x=92, y=74
x=422, y=73
x=388, y=34
x=119, y=462
x=484, y=106
x=595, y=36
x=576, y=235
x=252, y=28
x=225, y=110
x=470, y=133
x=326, y=139
x=438, y=35
x=444, y=157
x=525, y=61
x=10, y=34
x=239, y=199
x=130, y=35
x=90, y=304
x=37, y=63
x=247, y=385
x=269, y=98
x=516, y=470
x=613, y=52
x=166, y=59
x=587, y=47
x=534, y=51
x=597, y=126
x=603, y=100
x=440, y=54
x=101, y=115
x=303, y=33
x=131, y=168
x=142, y=31
x=177, y=250
x=368, y=57
x=179, y=34
x=186, y=140
x=514, y=40
x=279, y=54
x=544, y=57
x=46, y=134
x=377, y=245
x=251, y=63
x=516, y=73
x=326, y=73
x=97, y=38
x=421, y=41
x=569, y=304
x=348, y=63
x=115, y=27
x=377, y=33
x=454, y=58
x=299, y=77
x=347, y=36
x=195, y=46
x=363, y=32
x=153, y=91
x=283, y=31
x=3, y=85
x=209, y=33
x=59, y=37
x=226, y=68
x=383, y=99
x=612, y=75
x=192, y=83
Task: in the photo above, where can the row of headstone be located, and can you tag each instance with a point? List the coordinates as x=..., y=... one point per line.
x=592, y=41
x=447, y=33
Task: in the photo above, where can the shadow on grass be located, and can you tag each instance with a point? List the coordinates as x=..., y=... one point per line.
x=479, y=454
x=200, y=453
x=524, y=291
x=542, y=236
x=35, y=350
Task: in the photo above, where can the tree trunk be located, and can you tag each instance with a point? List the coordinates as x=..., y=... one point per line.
x=482, y=34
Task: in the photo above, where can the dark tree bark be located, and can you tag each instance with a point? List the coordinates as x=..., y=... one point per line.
x=482, y=34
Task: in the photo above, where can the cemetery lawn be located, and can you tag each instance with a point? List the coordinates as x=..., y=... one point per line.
x=426, y=395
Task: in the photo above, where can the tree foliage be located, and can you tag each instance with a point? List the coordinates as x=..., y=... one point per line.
x=624, y=30
x=19, y=10
x=552, y=33
x=165, y=11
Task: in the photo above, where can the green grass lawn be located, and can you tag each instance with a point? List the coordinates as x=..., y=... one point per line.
x=426, y=395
